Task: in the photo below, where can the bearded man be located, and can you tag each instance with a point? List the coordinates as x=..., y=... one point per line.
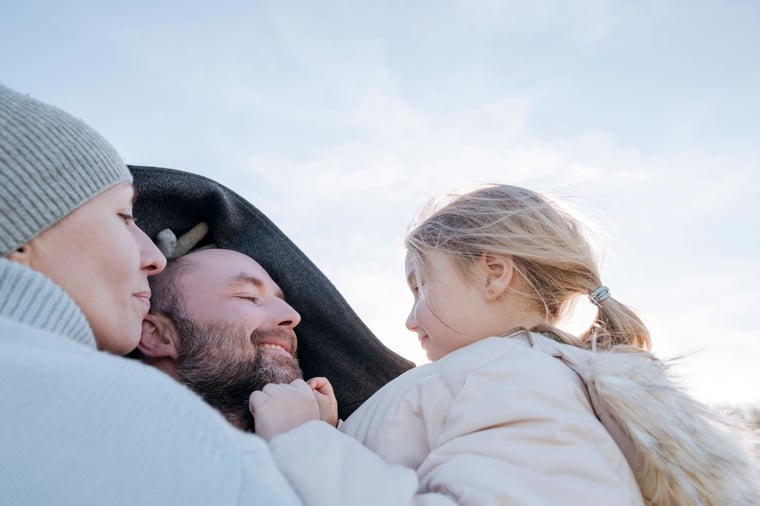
x=219, y=324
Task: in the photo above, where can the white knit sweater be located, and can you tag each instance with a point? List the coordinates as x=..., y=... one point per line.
x=79, y=426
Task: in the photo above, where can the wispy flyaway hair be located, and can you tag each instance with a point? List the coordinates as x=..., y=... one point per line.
x=547, y=244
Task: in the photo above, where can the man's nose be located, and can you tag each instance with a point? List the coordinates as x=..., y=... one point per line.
x=284, y=315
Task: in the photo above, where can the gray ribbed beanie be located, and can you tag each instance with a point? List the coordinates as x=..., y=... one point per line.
x=50, y=164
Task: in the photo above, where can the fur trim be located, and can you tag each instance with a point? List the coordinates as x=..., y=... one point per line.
x=681, y=452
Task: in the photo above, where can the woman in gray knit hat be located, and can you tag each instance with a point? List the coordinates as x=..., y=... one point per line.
x=67, y=213
x=80, y=426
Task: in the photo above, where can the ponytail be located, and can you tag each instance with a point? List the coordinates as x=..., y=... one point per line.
x=615, y=324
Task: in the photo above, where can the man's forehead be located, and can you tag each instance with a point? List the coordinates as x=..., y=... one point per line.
x=226, y=267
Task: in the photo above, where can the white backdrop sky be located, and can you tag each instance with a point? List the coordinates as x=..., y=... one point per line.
x=340, y=119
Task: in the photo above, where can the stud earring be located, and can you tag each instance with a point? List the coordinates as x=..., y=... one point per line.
x=488, y=283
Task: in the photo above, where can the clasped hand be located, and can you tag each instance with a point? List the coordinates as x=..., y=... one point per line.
x=278, y=408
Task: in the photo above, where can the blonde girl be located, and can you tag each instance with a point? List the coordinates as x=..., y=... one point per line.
x=512, y=410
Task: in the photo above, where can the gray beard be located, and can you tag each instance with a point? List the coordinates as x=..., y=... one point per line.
x=211, y=363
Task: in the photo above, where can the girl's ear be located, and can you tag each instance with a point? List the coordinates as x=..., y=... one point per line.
x=498, y=271
x=22, y=255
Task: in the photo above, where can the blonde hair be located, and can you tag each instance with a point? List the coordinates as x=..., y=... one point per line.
x=548, y=247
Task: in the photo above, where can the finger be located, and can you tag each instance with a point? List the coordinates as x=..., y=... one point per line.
x=316, y=383
x=256, y=399
x=300, y=386
x=323, y=386
x=275, y=388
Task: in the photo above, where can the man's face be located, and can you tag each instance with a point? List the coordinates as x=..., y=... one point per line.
x=235, y=331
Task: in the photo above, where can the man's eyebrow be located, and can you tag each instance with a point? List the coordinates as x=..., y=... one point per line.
x=247, y=279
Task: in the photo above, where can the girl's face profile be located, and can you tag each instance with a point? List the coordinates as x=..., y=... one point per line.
x=448, y=311
x=99, y=256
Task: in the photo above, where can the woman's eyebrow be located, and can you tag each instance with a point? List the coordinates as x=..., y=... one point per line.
x=134, y=194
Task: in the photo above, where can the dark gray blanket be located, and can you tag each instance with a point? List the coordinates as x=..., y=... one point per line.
x=332, y=340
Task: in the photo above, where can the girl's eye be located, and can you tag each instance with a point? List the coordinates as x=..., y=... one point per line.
x=250, y=298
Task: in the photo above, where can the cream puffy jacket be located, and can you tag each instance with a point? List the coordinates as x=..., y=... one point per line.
x=495, y=423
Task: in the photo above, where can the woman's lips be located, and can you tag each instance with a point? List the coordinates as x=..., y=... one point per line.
x=143, y=297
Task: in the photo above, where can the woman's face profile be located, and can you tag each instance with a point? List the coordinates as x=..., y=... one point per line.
x=99, y=256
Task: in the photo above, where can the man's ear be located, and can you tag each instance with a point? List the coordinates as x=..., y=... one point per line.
x=498, y=271
x=159, y=337
x=22, y=255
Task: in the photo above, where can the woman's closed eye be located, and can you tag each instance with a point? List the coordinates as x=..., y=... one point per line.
x=127, y=217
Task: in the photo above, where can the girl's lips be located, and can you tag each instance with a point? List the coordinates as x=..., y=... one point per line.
x=423, y=340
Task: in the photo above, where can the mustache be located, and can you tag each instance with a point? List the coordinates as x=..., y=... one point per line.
x=259, y=336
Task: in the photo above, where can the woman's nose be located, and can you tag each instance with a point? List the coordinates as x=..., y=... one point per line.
x=151, y=258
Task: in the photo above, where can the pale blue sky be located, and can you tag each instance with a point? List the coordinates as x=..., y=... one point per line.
x=339, y=120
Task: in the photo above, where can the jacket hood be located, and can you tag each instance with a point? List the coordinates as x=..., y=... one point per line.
x=332, y=340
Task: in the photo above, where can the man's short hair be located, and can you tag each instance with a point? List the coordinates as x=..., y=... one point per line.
x=166, y=296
